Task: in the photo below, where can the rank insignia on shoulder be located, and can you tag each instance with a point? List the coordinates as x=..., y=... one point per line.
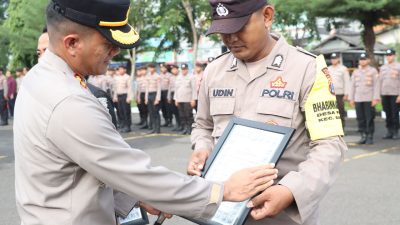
x=278, y=60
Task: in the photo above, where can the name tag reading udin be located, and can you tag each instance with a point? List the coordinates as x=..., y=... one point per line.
x=243, y=144
x=137, y=216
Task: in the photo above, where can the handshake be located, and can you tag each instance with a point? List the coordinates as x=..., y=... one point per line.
x=242, y=185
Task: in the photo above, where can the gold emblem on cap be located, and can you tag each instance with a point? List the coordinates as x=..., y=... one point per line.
x=116, y=24
x=222, y=10
x=125, y=38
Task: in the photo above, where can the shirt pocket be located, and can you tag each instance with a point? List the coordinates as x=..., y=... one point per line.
x=275, y=111
x=221, y=110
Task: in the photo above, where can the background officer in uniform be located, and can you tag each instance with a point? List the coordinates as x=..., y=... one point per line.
x=341, y=82
x=171, y=98
x=123, y=97
x=69, y=156
x=185, y=97
x=364, y=95
x=140, y=96
x=265, y=79
x=164, y=105
x=3, y=99
x=153, y=98
x=390, y=90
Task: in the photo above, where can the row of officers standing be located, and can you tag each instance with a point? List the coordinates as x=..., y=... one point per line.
x=174, y=91
x=365, y=89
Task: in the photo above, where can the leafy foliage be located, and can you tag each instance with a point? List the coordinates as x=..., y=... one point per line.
x=21, y=29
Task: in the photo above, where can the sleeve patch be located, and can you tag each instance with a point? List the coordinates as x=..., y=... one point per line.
x=322, y=114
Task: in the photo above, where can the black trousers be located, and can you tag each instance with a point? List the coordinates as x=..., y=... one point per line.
x=365, y=117
x=186, y=114
x=124, y=110
x=175, y=110
x=154, y=111
x=11, y=105
x=143, y=111
x=3, y=108
x=342, y=111
x=165, y=106
x=392, y=112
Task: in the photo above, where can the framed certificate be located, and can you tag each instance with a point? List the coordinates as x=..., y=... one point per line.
x=243, y=144
x=137, y=216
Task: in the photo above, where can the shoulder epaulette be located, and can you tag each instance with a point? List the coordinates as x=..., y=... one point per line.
x=302, y=50
x=227, y=52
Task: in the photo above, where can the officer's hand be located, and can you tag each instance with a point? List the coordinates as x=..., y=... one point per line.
x=152, y=210
x=177, y=104
x=352, y=104
x=193, y=104
x=271, y=202
x=146, y=102
x=398, y=99
x=138, y=101
x=345, y=98
x=374, y=102
x=156, y=102
x=246, y=183
x=115, y=100
x=197, y=161
x=169, y=101
x=128, y=101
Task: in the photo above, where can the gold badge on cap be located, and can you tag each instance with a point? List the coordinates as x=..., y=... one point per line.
x=222, y=10
x=125, y=38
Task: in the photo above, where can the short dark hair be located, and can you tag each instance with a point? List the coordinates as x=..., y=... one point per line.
x=19, y=70
x=57, y=23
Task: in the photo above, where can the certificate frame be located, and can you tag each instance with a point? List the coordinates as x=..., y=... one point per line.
x=137, y=216
x=241, y=215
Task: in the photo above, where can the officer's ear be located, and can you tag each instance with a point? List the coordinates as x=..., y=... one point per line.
x=268, y=13
x=72, y=43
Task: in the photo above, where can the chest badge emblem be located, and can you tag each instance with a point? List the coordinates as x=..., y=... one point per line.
x=278, y=83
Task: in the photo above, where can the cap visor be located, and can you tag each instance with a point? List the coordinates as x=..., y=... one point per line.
x=124, y=37
x=228, y=26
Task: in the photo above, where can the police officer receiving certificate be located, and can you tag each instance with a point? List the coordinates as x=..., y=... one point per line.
x=265, y=79
x=69, y=156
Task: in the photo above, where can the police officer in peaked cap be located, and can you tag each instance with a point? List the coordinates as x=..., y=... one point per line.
x=263, y=78
x=390, y=91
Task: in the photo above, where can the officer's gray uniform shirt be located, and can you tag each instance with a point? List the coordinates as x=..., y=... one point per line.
x=390, y=79
x=341, y=79
x=365, y=85
x=278, y=92
x=68, y=157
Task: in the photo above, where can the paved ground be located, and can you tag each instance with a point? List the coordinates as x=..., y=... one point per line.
x=365, y=193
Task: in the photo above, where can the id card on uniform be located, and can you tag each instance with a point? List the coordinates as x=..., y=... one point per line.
x=137, y=216
x=243, y=144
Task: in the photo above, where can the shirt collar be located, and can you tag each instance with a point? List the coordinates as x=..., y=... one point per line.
x=275, y=60
x=51, y=58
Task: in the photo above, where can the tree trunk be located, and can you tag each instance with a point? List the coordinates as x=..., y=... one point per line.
x=189, y=12
x=369, y=39
x=132, y=59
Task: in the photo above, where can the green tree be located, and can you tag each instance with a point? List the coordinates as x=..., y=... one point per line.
x=181, y=20
x=369, y=13
x=293, y=16
x=23, y=26
x=3, y=35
